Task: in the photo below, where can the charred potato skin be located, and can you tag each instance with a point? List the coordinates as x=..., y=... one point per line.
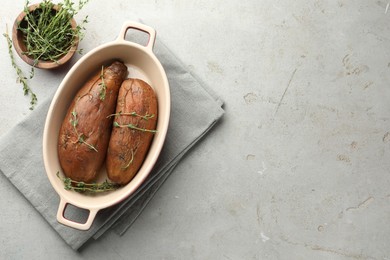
x=85, y=131
x=128, y=147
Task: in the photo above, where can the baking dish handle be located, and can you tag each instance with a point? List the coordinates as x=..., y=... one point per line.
x=140, y=27
x=67, y=222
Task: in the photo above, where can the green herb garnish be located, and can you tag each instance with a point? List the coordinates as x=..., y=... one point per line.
x=103, y=86
x=132, y=126
x=144, y=117
x=21, y=77
x=80, y=186
x=80, y=136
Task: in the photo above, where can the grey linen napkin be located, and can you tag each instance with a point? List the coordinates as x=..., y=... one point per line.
x=194, y=111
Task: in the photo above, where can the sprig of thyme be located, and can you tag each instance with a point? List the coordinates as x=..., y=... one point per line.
x=103, y=86
x=144, y=117
x=21, y=77
x=81, y=186
x=80, y=137
x=130, y=162
x=132, y=126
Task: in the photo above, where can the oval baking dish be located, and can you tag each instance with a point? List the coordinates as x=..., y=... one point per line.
x=141, y=63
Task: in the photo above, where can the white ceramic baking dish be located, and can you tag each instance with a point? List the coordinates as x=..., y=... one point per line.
x=141, y=63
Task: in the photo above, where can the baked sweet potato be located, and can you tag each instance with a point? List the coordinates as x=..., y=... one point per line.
x=86, y=129
x=133, y=130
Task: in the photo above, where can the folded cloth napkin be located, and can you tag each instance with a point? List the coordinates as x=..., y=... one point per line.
x=194, y=111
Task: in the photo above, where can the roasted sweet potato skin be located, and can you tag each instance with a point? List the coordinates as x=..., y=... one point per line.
x=133, y=130
x=85, y=131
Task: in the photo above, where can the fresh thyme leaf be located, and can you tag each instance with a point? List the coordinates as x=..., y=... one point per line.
x=32, y=72
x=73, y=120
x=33, y=101
x=80, y=184
x=81, y=138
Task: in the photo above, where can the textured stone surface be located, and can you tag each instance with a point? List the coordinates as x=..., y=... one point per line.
x=297, y=169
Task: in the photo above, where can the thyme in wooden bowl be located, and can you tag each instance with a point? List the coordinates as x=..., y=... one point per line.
x=45, y=35
x=47, y=30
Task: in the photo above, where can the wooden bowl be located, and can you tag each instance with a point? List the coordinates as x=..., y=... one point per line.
x=20, y=47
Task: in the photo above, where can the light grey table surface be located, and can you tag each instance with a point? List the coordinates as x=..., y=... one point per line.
x=297, y=169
